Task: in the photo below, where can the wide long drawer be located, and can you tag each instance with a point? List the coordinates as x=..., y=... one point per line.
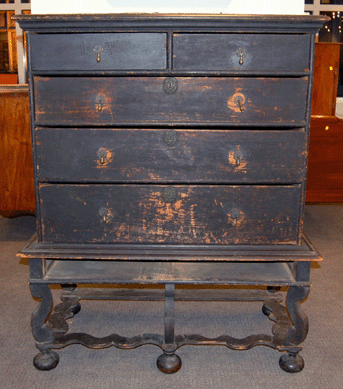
x=158, y=100
x=151, y=155
x=242, y=52
x=95, y=52
x=178, y=214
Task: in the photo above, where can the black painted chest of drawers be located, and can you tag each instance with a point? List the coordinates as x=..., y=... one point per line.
x=170, y=149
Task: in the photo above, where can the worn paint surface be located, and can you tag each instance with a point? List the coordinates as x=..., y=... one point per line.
x=120, y=107
x=198, y=100
x=196, y=156
x=262, y=52
x=117, y=51
x=204, y=214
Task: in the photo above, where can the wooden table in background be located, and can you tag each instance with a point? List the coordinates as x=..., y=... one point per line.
x=325, y=166
x=16, y=184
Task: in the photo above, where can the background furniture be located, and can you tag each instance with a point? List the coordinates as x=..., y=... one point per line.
x=17, y=194
x=325, y=169
x=325, y=78
x=325, y=166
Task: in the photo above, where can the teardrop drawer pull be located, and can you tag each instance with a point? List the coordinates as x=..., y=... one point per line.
x=102, y=155
x=241, y=53
x=105, y=214
x=99, y=101
x=238, y=156
x=239, y=102
x=235, y=215
x=98, y=49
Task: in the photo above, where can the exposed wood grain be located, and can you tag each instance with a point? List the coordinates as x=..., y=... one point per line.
x=16, y=183
x=325, y=78
x=325, y=166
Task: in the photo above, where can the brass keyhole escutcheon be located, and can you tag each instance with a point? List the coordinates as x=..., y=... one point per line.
x=170, y=85
x=98, y=49
x=241, y=53
x=170, y=137
x=169, y=194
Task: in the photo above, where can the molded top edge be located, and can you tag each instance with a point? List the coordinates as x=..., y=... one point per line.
x=37, y=22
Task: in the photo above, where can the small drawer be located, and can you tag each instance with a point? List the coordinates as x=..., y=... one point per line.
x=242, y=52
x=92, y=52
x=167, y=100
x=168, y=155
x=170, y=214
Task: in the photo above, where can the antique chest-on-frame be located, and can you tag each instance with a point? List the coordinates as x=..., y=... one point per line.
x=170, y=149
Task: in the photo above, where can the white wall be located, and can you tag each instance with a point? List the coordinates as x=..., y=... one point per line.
x=190, y=6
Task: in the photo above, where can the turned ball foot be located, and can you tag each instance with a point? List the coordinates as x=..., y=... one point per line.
x=46, y=360
x=291, y=363
x=169, y=363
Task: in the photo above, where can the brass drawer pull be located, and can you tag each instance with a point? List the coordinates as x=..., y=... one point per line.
x=169, y=195
x=170, y=85
x=98, y=49
x=241, y=53
x=239, y=102
x=170, y=137
x=102, y=155
x=105, y=214
x=99, y=100
x=235, y=215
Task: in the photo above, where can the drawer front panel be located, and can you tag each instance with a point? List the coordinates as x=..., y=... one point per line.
x=170, y=214
x=91, y=52
x=242, y=52
x=158, y=101
x=171, y=155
